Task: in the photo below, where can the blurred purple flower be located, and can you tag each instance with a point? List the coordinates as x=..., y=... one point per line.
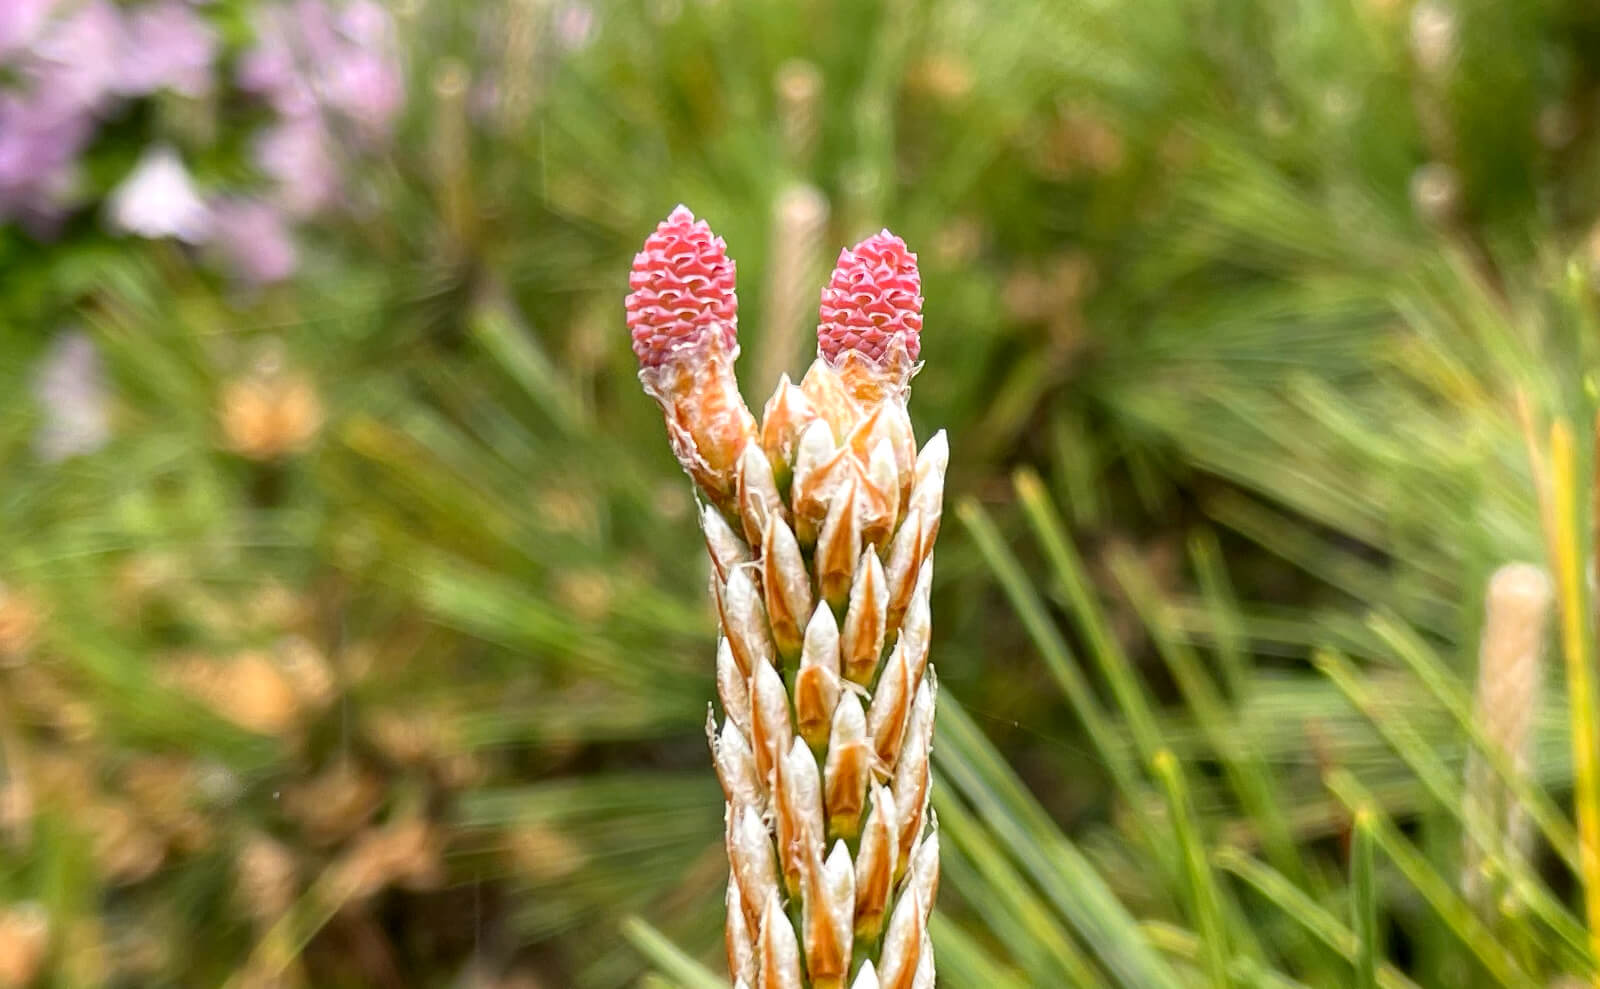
x=158, y=199
x=308, y=57
x=270, y=68
x=64, y=71
x=365, y=86
x=20, y=23
x=70, y=386
x=168, y=46
x=574, y=24
x=296, y=154
x=72, y=67
x=39, y=145
x=316, y=32
x=253, y=240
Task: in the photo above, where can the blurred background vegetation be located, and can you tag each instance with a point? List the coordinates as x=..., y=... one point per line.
x=353, y=628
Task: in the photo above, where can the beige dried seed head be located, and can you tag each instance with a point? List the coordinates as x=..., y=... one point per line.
x=799, y=88
x=1517, y=610
x=800, y=216
x=1516, y=613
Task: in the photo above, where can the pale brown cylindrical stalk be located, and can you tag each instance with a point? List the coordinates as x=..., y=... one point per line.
x=799, y=219
x=820, y=534
x=799, y=86
x=1510, y=675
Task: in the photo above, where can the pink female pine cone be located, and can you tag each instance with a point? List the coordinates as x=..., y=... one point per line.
x=820, y=529
x=873, y=302
x=681, y=288
x=683, y=316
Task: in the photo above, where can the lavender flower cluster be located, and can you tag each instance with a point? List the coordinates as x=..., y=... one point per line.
x=68, y=66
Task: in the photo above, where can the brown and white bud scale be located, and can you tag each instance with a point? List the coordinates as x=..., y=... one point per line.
x=820, y=524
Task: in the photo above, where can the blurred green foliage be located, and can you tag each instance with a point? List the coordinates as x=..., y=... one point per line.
x=373, y=648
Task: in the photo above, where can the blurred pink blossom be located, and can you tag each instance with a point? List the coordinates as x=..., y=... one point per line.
x=297, y=155
x=310, y=57
x=253, y=240
x=20, y=23
x=38, y=147
x=574, y=25
x=73, y=65
x=168, y=46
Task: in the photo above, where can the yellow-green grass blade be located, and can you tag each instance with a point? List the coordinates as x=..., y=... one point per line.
x=1457, y=916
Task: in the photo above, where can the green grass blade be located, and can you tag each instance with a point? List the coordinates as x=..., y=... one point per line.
x=1364, y=903
x=965, y=962
x=1057, y=656
x=1019, y=918
x=1067, y=568
x=1458, y=917
x=1185, y=946
x=1204, y=906
x=668, y=957
x=1448, y=691
x=1246, y=771
x=1305, y=911
x=971, y=769
x=1569, y=549
x=1443, y=786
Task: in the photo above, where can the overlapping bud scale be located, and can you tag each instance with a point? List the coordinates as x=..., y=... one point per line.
x=820, y=524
